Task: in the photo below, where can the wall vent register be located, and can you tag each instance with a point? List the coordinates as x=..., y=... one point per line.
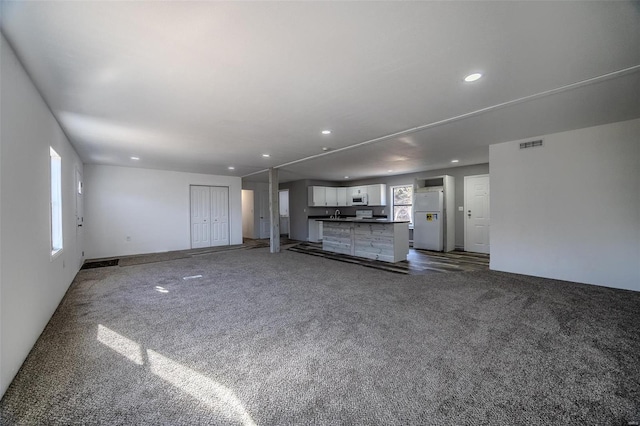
x=531, y=144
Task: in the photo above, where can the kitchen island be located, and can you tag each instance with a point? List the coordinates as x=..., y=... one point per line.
x=378, y=239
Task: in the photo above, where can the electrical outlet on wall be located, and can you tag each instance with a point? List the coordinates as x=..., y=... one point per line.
x=382, y=211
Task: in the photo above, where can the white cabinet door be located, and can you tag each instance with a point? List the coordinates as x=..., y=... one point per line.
x=341, y=194
x=315, y=230
x=357, y=190
x=317, y=196
x=373, y=192
x=377, y=194
x=331, y=197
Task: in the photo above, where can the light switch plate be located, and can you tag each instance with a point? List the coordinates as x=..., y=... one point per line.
x=460, y=208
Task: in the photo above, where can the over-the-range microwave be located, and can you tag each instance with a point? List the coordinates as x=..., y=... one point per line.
x=359, y=200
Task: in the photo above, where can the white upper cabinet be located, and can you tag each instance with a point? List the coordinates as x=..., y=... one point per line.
x=317, y=196
x=357, y=190
x=323, y=196
x=331, y=196
x=343, y=199
x=377, y=194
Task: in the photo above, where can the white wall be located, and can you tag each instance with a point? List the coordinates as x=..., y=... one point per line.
x=31, y=284
x=569, y=210
x=149, y=206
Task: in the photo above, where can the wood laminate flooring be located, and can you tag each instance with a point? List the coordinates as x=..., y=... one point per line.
x=419, y=262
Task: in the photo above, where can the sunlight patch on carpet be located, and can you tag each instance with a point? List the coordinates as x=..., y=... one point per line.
x=125, y=347
x=210, y=392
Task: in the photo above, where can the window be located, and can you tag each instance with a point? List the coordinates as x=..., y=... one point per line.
x=56, y=202
x=402, y=202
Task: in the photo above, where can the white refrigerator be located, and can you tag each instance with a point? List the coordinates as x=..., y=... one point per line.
x=428, y=220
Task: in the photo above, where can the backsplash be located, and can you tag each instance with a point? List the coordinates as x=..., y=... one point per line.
x=346, y=211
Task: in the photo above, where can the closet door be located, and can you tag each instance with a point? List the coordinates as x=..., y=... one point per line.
x=200, y=216
x=219, y=215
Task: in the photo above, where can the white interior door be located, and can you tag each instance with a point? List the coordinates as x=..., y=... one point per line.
x=79, y=217
x=200, y=216
x=219, y=216
x=265, y=220
x=476, y=213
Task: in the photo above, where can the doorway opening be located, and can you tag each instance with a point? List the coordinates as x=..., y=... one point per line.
x=248, y=214
x=284, y=213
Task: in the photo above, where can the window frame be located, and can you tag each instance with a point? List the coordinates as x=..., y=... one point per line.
x=55, y=204
x=394, y=205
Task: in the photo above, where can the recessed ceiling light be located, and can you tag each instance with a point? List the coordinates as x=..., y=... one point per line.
x=266, y=155
x=135, y=158
x=346, y=177
x=231, y=168
x=472, y=77
x=455, y=161
x=326, y=132
x=389, y=171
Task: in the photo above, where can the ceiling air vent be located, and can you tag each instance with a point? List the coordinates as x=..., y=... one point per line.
x=530, y=144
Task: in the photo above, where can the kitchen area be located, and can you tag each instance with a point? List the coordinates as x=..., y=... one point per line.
x=407, y=197
x=358, y=221
x=326, y=202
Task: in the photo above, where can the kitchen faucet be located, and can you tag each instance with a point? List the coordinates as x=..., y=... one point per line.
x=337, y=214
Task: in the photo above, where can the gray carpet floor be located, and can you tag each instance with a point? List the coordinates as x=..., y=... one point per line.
x=292, y=339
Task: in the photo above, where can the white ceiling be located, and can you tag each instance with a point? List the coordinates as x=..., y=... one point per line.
x=200, y=86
